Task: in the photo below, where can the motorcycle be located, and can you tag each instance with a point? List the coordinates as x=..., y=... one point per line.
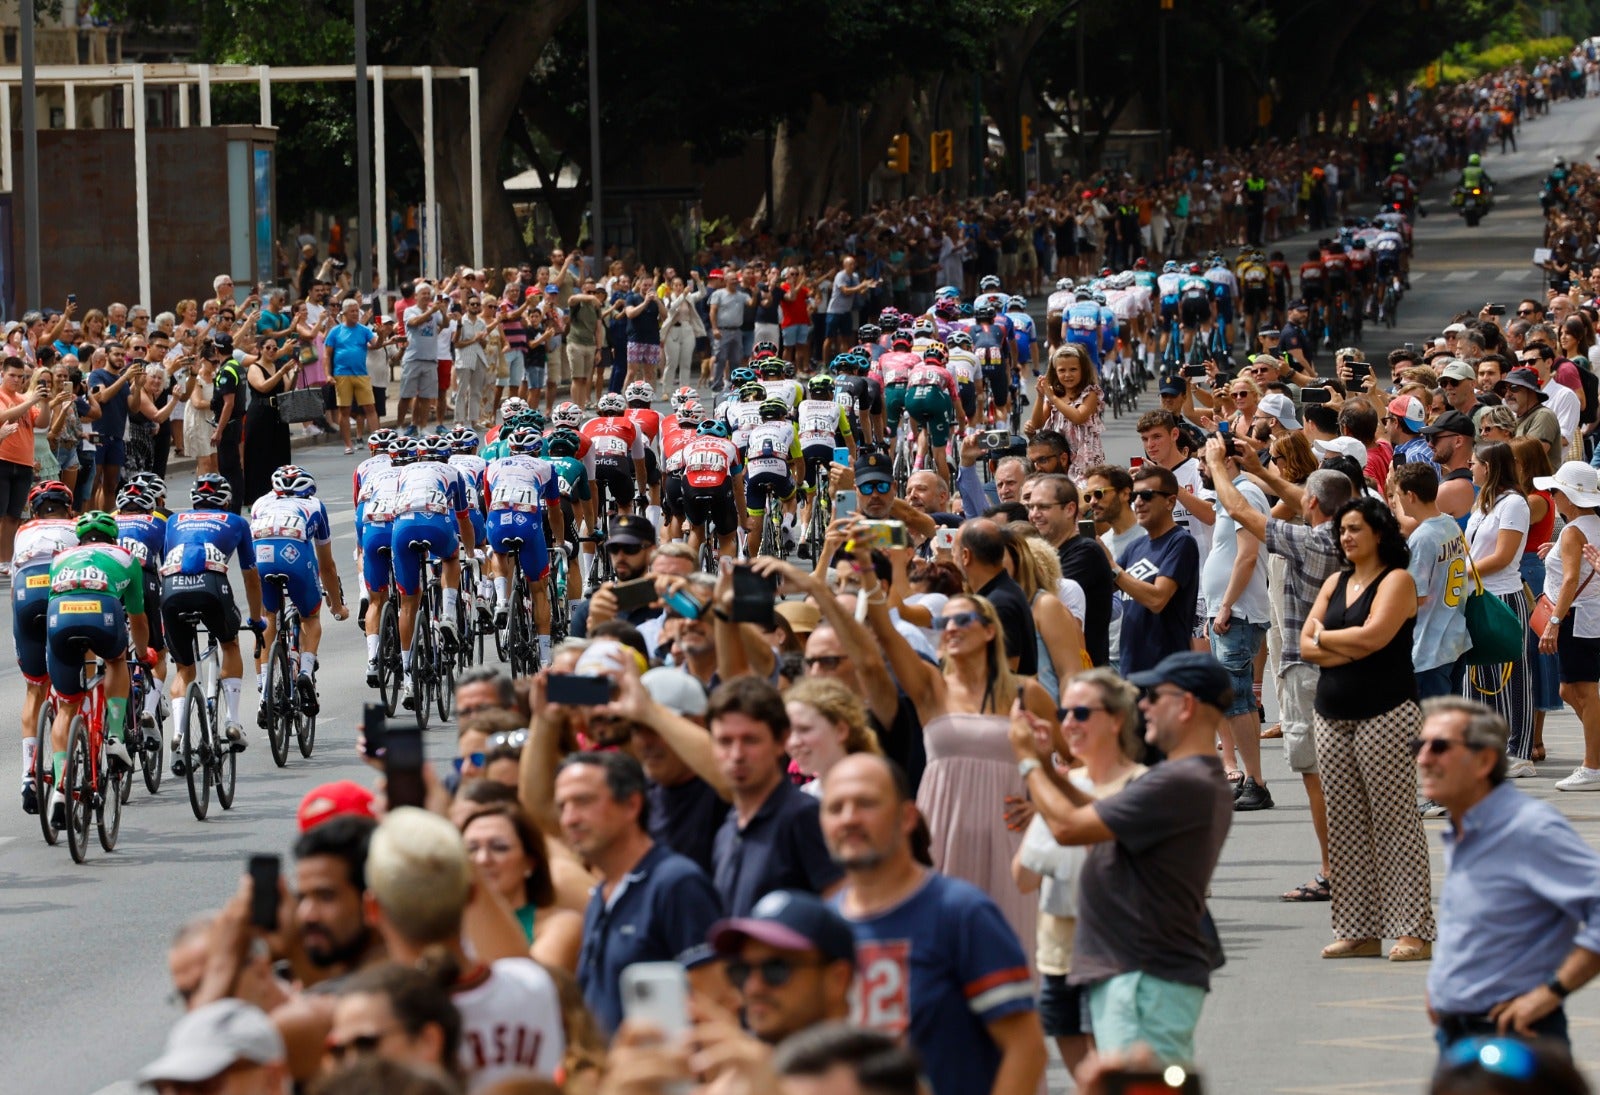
x=1471, y=203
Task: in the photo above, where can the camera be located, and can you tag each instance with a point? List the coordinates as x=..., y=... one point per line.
x=996, y=439
x=882, y=535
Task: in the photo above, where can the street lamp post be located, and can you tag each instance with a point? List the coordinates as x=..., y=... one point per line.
x=596, y=240
x=366, y=236
x=30, y=155
x=1166, y=7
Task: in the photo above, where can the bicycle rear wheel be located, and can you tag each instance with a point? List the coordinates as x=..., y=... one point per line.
x=154, y=750
x=132, y=733
x=196, y=762
x=424, y=650
x=108, y=810
x=560, y=612
x=519, y=628
x=79, y=786
x=44, y=774
x=444, y=687
x=225, y=762
x=279, y=700
x=390, y=672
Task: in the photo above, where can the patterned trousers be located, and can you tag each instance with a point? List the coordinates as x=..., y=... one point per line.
x=1376, y=845
x=1508, y=688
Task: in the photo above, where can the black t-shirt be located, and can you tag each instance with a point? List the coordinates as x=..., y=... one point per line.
x=767, y=301
x=902, y=742
x=1293, y=337
x=686, y=818
x=225, y=384
x=1147, y=636
x=1016, y=621
x=1085, y=562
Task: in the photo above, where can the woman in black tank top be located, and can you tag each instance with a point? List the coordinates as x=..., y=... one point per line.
x=1359, y=633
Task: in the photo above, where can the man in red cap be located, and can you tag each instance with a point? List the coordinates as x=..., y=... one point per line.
x=339, y=798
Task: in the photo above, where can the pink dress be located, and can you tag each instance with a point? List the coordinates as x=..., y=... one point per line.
x=971, y=770
x=1087, y=446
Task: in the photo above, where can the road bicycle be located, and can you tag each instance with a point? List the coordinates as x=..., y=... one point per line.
x=209, y=762
x=433, y=673
x=560, y=609
x=820, y=514
x=391, y=668
x=521, y=646
x=600, y=569
x=771, y=537
x=282, y=705
x=149, y=743
x=89, y=785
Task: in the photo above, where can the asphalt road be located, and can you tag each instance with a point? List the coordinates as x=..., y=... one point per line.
x=83, y=947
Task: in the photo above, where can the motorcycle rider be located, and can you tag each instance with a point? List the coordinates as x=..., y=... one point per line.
x=1474, y=177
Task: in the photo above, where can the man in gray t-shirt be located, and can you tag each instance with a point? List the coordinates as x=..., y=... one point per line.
x=727, y=304
x=419, y=366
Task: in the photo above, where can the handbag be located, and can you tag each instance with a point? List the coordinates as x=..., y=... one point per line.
x=1544, y=609
x=299, y=405
x=1494, y=628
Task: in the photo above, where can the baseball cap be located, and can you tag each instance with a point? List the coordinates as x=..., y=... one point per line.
x=1173, y=386
x=1408, y=408
x=1455, y=329
x=552, y=288
x=1200, y=675
x=874, y=467
x=802, y=616
x=676, y=691
x=1458, y=370
x=212, y=1038
x=717, y=273
x=632, y=529
x=1343, y=446
x=1281, y=407
x=1297, y=305
x=1451, y=422
x=337, y=799
x=790, y=921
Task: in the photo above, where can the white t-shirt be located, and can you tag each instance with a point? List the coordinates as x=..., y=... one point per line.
x=1510, y=512
x=510, y=1025
x=1071, y=595
x=1188, y=476
x=1564, y=402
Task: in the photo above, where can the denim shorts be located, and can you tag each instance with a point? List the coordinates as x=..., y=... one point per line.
x=1236, y=650
x=797, y=334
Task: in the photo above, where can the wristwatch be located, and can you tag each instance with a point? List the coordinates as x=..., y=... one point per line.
x=1555, y=986
x=1032, y=764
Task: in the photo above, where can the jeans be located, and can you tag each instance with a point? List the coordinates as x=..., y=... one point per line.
x=1236, y=649
x=1456, y=1027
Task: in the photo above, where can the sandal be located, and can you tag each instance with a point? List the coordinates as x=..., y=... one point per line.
x=1318, y=889
x=1235, y=776
x=1352, y=948
x=1273, y=731
x=1409, y=952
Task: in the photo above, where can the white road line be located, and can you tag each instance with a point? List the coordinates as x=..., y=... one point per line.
x=1516, y=275
x=1418, y=275
x=1460, y=275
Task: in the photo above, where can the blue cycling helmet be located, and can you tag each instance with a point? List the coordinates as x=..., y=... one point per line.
x=741, y=376
x=714, y=428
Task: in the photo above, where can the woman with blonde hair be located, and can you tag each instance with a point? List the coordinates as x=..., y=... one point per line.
x=1036, y=567
x=1499, y=424
x=1070, y=402
x=827, y=722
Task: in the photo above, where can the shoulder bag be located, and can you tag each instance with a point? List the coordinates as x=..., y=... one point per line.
x=299, y=405
x=1544, y=609
x=1496, y=633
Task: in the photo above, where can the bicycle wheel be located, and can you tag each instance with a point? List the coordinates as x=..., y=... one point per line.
x=153, y=752
x=279, y=700
x=80, y=792
x=519, y=628
x=466, y=621
x=131, y=734
x=708, y=549
x=196, y=762
x=560, y=612
x=44, y=774
x=389, y=668
x=224, y=761
x=108, y=806
x=423, y=652
x=444, y=687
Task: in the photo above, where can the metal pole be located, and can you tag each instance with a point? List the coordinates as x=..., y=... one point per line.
x=596, y=216
x=141, y=188
x=359, y=255
x=30, y=156
x=1083, y=99
x=475, y=150
x=381, y=186
x=430, y=230
x=1162, y=95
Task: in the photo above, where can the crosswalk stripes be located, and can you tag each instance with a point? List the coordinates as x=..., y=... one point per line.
x=1460, y=275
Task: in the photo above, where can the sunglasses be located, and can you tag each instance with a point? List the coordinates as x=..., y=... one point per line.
x=883, y=487
x=828, y=662
x=624, y=549
x=1149, y=495
x=959, y=619
x=515, y=739
x=774, y=971
x=1080, y=713
x=361, y=1045
x=1527, y=312
x=1096, y=495
x=1434, y=747
x=477, y=760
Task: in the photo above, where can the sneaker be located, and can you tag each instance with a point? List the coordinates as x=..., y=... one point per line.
x=1252, y=796
x=348, y=451
x=164, y=706
x=803, y=550
x=58, y=809
x=234, y=734
x=118, y=756
x=1582, y=779
x=372, y=674
x=1521, y=769
x=30, y=798
x=307, y=691
x=1428, y=808
x=406, y=699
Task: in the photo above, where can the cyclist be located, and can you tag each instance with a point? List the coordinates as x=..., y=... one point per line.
x=996, y=350
x=1279, y=266
x=743, y=412
x=677, y=431
x=1313, y=289
x=51, y=529
x=933, y=403
x=1359, y=259
x=1336, y=269
x=1196, y=306
x=784, y=389
x=194, y=580
x=510, y=407
x=294, y=537
x=572, y=485
x=1255, y=283
x=1224, y=291
x=924, y=333
x=377, y=504
x=1167, y=283
x=712, y=472
x=1022, y=330
x=1080, y=324
x=432, y=510
x=619, y=448
x=640, y=395
x=867, y=339
x=1389, y=255
x=773, y=461
x=824, y=427
x=963, y=365
x=989, y=294
x=860, y=394
x=142, y=533
x=894, y=369
x=524, y=497
x=96, y=596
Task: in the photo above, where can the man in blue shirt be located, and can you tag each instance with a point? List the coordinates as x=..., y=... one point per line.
x=112, y=386
x=345, y=359
x=1519, y=912
x=1158, y=576
x=652, y=905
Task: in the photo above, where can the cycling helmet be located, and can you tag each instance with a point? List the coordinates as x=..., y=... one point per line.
x=691, y=413
x=1561, y=161
x=463, y=439
x=1100, y=299
x=512, y=405
x=1105, y=271
x=1217, y=262
x=820, y=386
x=1194, y=268
x=524, y=440
x=764, y=348
x=1083, y=292
x=1169, y=267
x=966, y=310
x=133, y=498
x=567, y=413
x=1474, y=160
x=868, y=332
x=682, y=396
x=563, y=443
x=378, y=440
x=985, y=310
x=713, y=428
x=900, y=341
x=948, y=291
x=770, y=368
x=1017, y=302
x=946, y=310
x=789, y=370
x=295, y=480
x=210, y=491
x=1141, y=263
x=97, y=526
x=752, y=392
x=741, y=376
x=923, y=326
x=773, y=410
x=842, y=363
x=402, y=450
x=536, y=416
x=1359, y=245
x=936, y=352
x=1400, y=159
x=612, y=404
x=435, y=446
x=640, y=391
x=50, y=492
x=988, y=283
x=959, y=339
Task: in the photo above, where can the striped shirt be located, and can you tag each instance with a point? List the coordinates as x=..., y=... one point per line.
x=1312, y=557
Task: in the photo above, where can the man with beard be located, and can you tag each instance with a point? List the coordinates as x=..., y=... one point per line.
x=792, y=961
x=631, y=545
x=1053, y=510
x=330, y=879
x=1107, y=494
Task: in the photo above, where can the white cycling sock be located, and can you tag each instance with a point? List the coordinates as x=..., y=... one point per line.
x=501, y=591
x=232, y=688
x=151, y=701
x=372, y=648
x=261, y=682
x=30, y=747
x=405, y=660
x=544, y=650
x=308, y=663
x=180, y=719
x=452, y=597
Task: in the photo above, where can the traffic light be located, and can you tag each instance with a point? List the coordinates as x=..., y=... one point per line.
x=942, y=150
x=1027, y=132
x=900, y=153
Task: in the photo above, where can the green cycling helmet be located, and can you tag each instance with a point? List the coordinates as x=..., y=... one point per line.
x=97, y=525
x=1474, y=160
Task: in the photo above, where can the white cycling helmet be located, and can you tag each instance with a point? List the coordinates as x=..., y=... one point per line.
x=567, y=414
x=639, y=390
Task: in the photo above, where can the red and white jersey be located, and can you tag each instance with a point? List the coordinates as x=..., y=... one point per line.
x=929, y=375
x=649, y=422
x=674, y=439
x=379, y=499
x=366, y=468
x=511, y=1024
x=615, y=438
x=39, y=540
x=896, y=365
x=709, y=461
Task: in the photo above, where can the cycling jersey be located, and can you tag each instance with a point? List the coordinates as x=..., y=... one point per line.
x=201, y=541
x=772, y=446
x=433, y=499
x=287, y=532
x=36, y=546
x=740, y=417
x=1311, y=280
x=649, y=421
x=1337, y=268
x=94, y=588
x=1254, y=280
x=789, y=391
x=363, y=471
x=895, y=366
x=520, y=488
x=709, y=462
x=572, y=479
x=1167, y=286
x=144, y=536
x=822, y=424
x=673, y=440
x=1022, y=327
x=617, y=442
x=1224, y=286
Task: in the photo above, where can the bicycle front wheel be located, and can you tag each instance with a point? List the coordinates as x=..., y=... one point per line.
x=108, y=804
x=278, y=701
x=196, y=759
x=424, y=653
x=78, y=779
x=390, y=671
x=154, y=751
x=519, y=637
x=225, y=763
x=44, y=774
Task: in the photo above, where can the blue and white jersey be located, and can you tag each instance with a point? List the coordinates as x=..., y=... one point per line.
x=472, y=468
x=144, y=536
x=525, y=484
x=201, y=541
x=274, y=517
x=431, y=489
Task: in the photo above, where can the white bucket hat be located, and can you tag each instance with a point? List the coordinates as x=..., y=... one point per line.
x=1575, y=479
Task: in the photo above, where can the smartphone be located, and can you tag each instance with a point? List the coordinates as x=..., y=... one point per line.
x=635, y=594
x=944, y=539
x=1174, y=1081
x=1410, y=347
x=402, y=765
x=1359, y=368
x=72, y=298
x=883, y=535
x=841, y=456
x=374, y=724
x=996, y=439
x=1226, y=433
x=844, y=504
x=577, y=690
x=753, y=596
x=1490, y=309
x=1315, y=395
x=1086, y=528
x=657, y=994
x=1194, y=370
x=680, y=603
x=1135, y=462
x=264, y=870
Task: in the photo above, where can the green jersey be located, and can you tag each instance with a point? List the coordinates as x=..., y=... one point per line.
x=494, y=450
x=99, y=568
x=572, y=478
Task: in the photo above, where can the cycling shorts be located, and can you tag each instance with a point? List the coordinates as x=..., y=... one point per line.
x=652, y=470
x=1193, y=311
x=1309, y=293
x=997, y=378
x=296, y=561
x=930, y=407
x=475, y=518
x=1364, y=275
x=1389, y=265
x=1255, y=300
x=439, y=532
x=618, y=483
x=79, y=624
x=30, y=599
x=375, y=541
x=534, y=554
x=894, y=404
x=1169, y=310
x=714, y=504
x=1337, y=283
x=969, y=399
x=759, y=485
x=152, y=610
x=672, y=496
x=207, y=596
x=818, y=460
x=1224, y=308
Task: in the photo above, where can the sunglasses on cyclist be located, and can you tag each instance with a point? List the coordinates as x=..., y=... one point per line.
x=774, y=971
x=882, y=487
x=959, y=619
x=1150, y=495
